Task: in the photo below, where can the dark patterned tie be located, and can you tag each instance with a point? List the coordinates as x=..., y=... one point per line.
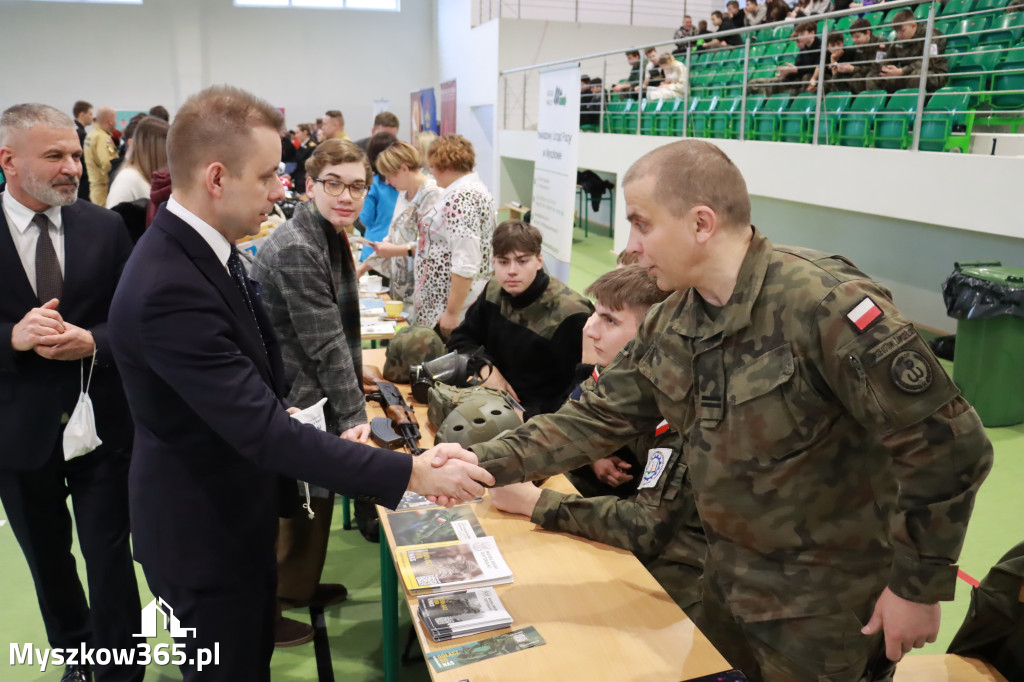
x=237, y=271
x=49, y=280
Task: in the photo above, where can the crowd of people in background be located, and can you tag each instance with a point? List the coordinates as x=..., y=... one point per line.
x=857, y=59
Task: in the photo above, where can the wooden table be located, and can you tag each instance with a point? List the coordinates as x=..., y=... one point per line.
x=601, y=613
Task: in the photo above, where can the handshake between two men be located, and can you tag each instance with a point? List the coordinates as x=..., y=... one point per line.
x=448, y=475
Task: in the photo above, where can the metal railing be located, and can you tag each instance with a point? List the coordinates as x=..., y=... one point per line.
x=980, y=45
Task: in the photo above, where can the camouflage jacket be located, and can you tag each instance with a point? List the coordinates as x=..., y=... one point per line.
x=829, y=453
x=659, y=523
x=907, y=54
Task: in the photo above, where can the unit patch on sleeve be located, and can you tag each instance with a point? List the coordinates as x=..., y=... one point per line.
x=911, y=372
x=864, y=314
x=657, y=458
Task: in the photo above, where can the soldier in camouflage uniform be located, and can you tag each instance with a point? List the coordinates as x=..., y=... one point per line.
x=834, y=463
x=904, y=58
x=658, y=520
x=525, y=322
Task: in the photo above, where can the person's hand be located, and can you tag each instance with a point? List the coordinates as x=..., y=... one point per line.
x=439, y=454
x=389, y=250
x=496, y=380
x=787, y=70
x=612, y=471
x=359, y=433
x=907, y=625
x=37, y=323
x=518, y=498
x=448, y=322
x=844, y=68
x=454, y=481
x=812, y=85
x=74, y=344
x=293, y=410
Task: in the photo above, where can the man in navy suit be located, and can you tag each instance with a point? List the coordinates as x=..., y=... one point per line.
x=60, y=260
x=202, y=370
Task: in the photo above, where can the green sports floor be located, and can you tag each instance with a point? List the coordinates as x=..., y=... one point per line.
x=354, y=626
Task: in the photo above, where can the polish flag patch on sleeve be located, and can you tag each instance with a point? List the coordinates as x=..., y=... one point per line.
x=864, y=314
x=663, y=427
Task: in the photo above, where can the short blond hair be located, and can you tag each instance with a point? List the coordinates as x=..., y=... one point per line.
x=334, y=152
x=216, y=125
x=696, y=173
x=452, y=152
x=391, y=159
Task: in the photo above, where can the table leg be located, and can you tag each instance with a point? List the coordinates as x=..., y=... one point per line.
x=389, y=611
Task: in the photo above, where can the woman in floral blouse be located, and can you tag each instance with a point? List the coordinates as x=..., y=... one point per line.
x=418, y=260
x=468, y=212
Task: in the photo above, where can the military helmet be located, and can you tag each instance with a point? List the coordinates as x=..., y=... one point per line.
x=478, y=420
x=411, y=346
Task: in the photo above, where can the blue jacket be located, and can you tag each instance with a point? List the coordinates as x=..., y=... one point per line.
x=378, y=209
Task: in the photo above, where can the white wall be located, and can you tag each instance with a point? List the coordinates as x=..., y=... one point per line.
x=470, y=56
x=903, y=218
x=132, y=57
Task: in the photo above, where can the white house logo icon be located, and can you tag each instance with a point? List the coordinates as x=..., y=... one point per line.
x=152, y=613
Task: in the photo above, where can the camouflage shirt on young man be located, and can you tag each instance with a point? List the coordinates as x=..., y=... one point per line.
x=658, y=523
x=829, y=453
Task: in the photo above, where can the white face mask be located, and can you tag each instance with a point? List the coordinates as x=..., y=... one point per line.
x=80, y=433
x=314, y=416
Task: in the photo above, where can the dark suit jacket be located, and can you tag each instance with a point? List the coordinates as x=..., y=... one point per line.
x=34, y=392
x=212, y=434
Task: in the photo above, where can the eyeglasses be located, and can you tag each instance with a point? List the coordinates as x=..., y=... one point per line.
x=357, y=190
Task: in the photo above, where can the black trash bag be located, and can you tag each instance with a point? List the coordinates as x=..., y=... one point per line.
x=994, y=627
x=970, y=298
x=944, y=346
x=594, y=185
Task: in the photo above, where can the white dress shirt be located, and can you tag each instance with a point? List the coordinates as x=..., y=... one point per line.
x=25, y=235
x=218, y=242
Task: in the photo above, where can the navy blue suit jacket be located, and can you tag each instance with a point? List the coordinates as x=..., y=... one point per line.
x=212, y=434
x=34, y=391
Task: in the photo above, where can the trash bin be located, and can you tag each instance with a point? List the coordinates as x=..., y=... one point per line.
x=987, y=299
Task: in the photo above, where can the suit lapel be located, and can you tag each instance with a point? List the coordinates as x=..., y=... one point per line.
x=10, y=264
x=202, y=255
x=77, y=252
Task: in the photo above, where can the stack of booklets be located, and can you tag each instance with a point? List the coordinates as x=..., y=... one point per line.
x=460, y=614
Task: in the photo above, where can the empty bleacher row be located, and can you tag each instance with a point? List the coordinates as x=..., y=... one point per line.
x=984, y=49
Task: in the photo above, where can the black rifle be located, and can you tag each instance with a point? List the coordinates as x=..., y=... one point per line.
x=400, y=425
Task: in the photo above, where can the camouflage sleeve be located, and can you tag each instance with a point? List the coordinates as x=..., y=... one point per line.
x=643, y=523
x=888, y=379
x=619, y=408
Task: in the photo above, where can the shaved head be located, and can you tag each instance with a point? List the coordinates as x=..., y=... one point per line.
x=696, y=173
x=106, y=118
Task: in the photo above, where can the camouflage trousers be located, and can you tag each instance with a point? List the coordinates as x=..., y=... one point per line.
x=777, y=85
x=827, y=648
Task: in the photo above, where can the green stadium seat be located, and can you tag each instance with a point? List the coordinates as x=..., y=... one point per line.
x=855, y=124
x=788, y=53
x=699, y=116
x=953, y=7
x=894, y=123
x=875, y=18
x=921, y=11
x=947, y=121
x=796, y=122
x=754, y=104
x=723, y=122
x=835, y=104
x=1006, y=30
x=764, y=34
x=629, y=118
x=973, y=71
x=613, y=116
x=1009, y=76
x=664, y=124
x=975, y=28
x=650, y=114
x=783, y=32
x=990, y=6
x=766, y=119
